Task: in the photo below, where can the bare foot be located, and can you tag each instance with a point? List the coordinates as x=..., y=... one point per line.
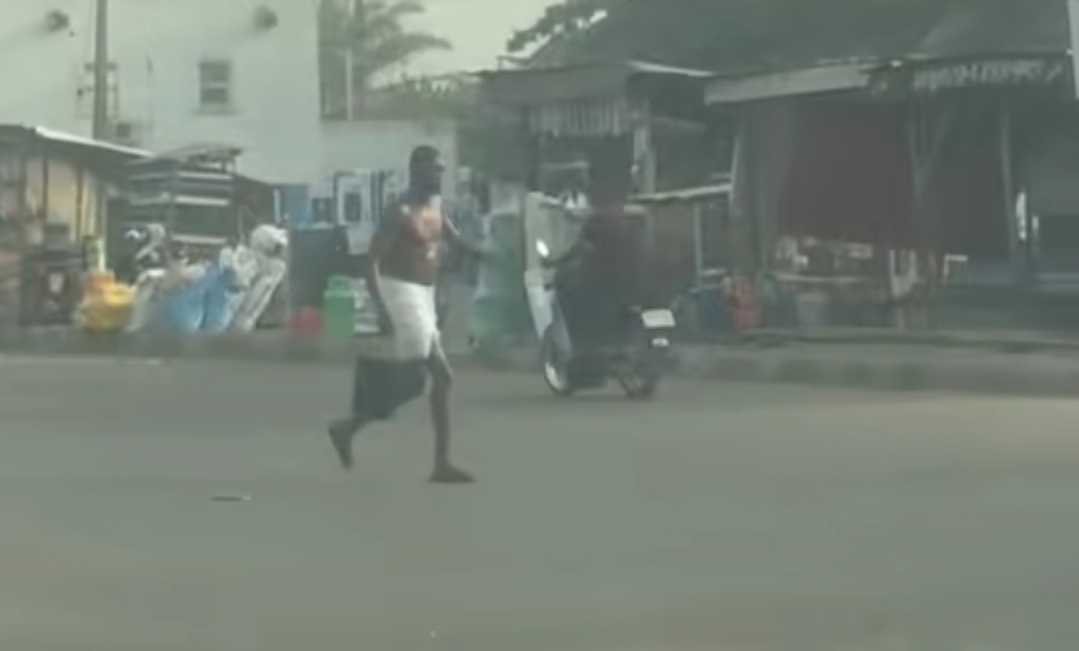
x=341, y=433
x=447, y=474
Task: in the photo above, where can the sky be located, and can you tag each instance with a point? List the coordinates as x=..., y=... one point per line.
x=478, y=30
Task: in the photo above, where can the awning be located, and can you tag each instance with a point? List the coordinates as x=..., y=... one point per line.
x=817, y=79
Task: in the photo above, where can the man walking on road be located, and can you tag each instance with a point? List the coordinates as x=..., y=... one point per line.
x=402, y=274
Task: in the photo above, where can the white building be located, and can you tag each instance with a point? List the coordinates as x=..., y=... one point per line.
x=233, y=72
x=387, y=145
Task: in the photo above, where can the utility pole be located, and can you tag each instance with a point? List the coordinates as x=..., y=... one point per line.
x=101, y=72
x=350, y=63
x=101, y=103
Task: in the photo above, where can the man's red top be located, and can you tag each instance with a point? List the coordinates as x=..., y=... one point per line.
x=615, y=259
x=605, y=230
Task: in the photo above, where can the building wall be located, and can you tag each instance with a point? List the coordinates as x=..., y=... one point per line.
x=386, y=145
x=157, y=46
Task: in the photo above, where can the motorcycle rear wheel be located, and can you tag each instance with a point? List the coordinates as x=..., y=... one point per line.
x=639, y=383
x=554, y=365
x=639, y=374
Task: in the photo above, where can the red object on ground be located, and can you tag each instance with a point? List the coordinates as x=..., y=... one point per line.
x=746, y=310
x=307, y=323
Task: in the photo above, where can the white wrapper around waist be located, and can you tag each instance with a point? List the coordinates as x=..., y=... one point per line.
x=411, y=308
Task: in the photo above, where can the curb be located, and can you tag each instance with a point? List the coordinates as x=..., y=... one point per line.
x=987, y=341
x=1018, y=376
x=271, y=348
x=987, y=373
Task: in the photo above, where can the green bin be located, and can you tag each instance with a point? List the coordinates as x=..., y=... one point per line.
x=339, y=309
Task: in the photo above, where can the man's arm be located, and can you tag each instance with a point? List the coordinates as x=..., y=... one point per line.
x=454, y=237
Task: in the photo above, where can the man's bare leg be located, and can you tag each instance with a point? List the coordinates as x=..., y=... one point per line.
x=441, y=381
x=342, y=432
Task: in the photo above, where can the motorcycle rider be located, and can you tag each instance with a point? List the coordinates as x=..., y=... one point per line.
x=599, y=276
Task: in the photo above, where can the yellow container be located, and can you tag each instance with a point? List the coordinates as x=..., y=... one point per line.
x=106, y=305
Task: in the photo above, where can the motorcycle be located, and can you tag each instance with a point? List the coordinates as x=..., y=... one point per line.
x=637, y=358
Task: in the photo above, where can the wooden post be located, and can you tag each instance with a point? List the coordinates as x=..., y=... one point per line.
x=25, y=219
x=100, y=224
x=928, y=131
x=698, y=241
x=80, y=190
x=644, y=150
x=172, y=214
x=534, y=154
x=45, y=181
x=751, y=248
x=1008, y=183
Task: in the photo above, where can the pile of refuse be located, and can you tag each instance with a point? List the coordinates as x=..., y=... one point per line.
x=158, y=290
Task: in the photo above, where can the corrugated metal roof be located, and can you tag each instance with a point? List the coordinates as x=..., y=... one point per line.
x=627, y=67
x=72, y=140
x=576, y=81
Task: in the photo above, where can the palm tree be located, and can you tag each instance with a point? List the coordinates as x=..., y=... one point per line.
x=369, y=37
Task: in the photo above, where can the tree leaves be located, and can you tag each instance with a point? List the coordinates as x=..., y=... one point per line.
x=560, y=21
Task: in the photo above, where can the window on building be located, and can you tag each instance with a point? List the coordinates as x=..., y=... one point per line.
x=84, y=93
x=215, y=85
x=322, y=211
x=353, y=208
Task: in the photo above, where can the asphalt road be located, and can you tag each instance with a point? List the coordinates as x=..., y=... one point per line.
x=719, y=517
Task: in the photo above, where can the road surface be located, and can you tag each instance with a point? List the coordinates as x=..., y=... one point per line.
x=721, y=517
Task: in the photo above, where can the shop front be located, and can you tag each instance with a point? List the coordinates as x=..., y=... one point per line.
x=54, y=190
x=919, y=168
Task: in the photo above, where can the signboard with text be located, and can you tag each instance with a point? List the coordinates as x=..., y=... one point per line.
x=998, y=72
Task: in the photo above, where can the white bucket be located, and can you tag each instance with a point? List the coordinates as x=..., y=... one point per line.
x=812, y=309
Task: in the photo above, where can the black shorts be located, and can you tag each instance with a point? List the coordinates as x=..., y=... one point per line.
x=380, y=386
